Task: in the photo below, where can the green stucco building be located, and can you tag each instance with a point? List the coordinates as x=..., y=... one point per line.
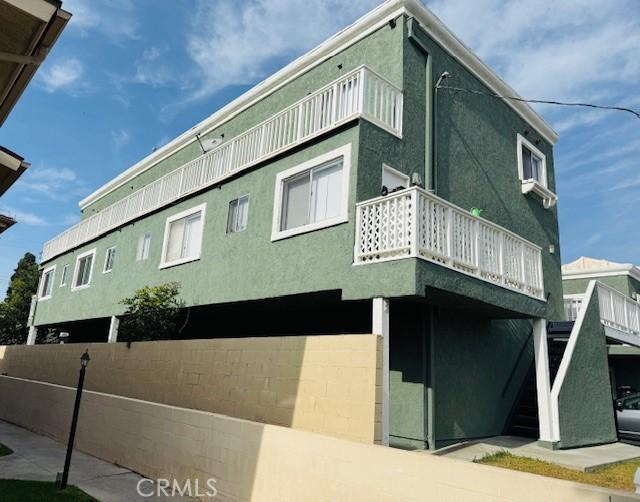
x=341, y=195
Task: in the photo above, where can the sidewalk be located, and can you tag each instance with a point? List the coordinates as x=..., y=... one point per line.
x=581, y=459
x=39, y=458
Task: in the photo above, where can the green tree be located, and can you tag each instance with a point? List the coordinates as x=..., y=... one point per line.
x=14, y=310
x=152, y=313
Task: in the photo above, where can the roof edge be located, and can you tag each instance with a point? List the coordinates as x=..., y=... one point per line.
x=361, y=28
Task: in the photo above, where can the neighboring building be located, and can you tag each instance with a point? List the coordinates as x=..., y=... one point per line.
x=619, y=309
x=270, y=215
x=29, y=30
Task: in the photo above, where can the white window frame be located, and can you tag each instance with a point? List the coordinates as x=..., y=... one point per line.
x=543, y=158
x=65, y=275
x=140, y=255
x=245, y=196
x=51, y=269
x=106, y=259
x=201, y=208
x=281, y=177
x=400, y=174
x=76, y=270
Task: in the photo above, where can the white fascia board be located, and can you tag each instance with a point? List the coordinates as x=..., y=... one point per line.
x=630, y=270
x=41, y=9
x=364, y=26
x=10, y=161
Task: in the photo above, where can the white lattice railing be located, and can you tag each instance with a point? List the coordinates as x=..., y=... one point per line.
x=618, y=310
x=572, y=305
x=415, y=223
x=361, y=93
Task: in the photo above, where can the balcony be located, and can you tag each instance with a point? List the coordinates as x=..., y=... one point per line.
x=617, y=310
x=359, y=94
x=413, y=223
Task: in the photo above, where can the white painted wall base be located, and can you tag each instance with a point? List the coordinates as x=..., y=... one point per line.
x=113, y=329
x=380, y=326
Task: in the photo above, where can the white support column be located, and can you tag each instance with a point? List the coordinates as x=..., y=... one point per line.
x=543, y=381
x=380, y=326
x=31, y=337
x=113, y=329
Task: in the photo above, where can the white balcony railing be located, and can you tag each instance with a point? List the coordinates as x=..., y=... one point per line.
x=572, y=305
x=415, y=223
x=618, y=310
x=361, y=93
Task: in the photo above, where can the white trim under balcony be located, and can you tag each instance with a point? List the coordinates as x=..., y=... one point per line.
x=359, y=94
x=413, y=223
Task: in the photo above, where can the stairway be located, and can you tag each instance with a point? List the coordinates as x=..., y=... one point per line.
x=524, y=417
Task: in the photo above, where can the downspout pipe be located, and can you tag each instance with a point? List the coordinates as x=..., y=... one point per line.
x=433, y=177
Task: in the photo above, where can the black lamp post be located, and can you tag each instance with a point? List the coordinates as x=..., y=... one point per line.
x=84, y=361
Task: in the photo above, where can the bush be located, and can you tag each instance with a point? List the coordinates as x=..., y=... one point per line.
x=152, y=313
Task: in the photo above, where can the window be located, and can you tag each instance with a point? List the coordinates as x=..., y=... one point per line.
x=47, y=282
x=183, y=237
x=312, y=195
x=531, y=162
x=238, y=214
x=83, y=270
x=143, y=246
x=392, y=178
x=65, y=275
x=109, y=259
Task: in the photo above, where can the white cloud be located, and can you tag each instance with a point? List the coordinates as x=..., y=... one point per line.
x=152, y=69
x=238, y=43
x=53, y=183
x=113, y=18
x=120, y=138
x=24, y=217
x=63, y=75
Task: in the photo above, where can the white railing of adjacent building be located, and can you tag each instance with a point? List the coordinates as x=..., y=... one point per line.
x=618, y=310
x=415, y=223
x=572, y=305
x=361, y=93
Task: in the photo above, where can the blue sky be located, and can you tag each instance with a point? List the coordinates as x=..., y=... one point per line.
x=127, y=76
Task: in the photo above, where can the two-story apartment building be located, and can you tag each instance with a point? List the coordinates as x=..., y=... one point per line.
x=336, y=197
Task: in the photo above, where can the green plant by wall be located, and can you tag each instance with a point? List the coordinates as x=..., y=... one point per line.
x=14, y=310
x=152, y=313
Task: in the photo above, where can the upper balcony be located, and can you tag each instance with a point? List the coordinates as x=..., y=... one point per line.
x=413, y=223
x=359, y=94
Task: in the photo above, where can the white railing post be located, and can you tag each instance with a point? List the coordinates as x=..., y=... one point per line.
x=361, y=79
x=449, y=230
x=415, y=216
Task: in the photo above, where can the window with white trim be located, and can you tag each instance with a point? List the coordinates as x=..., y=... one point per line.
x=183, y=237
x=312, y=195
x=65, y=275
x=83, y=270
x=109, y=260
x=532, y=163
x=144, y=242
x=393, y=179
x=46, y=288
x=238, y=214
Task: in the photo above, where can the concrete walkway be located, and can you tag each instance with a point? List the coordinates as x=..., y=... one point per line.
x=581, y=459
x=39, y=458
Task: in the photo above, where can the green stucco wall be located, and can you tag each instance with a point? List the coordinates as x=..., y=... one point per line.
x=620, y=283
x=480, y=368
x=585, y=407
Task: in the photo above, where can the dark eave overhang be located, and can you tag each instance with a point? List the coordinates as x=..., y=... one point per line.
x=27, y=64
x=5, y=222
x=12, y=166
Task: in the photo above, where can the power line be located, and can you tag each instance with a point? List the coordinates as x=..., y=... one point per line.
x=543, y=101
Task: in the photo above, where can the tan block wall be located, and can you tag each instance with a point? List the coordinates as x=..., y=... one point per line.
x=329, y=384
x=257, y=462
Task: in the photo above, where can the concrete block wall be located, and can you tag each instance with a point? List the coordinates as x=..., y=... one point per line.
x=256, y=462
x=328, y=384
